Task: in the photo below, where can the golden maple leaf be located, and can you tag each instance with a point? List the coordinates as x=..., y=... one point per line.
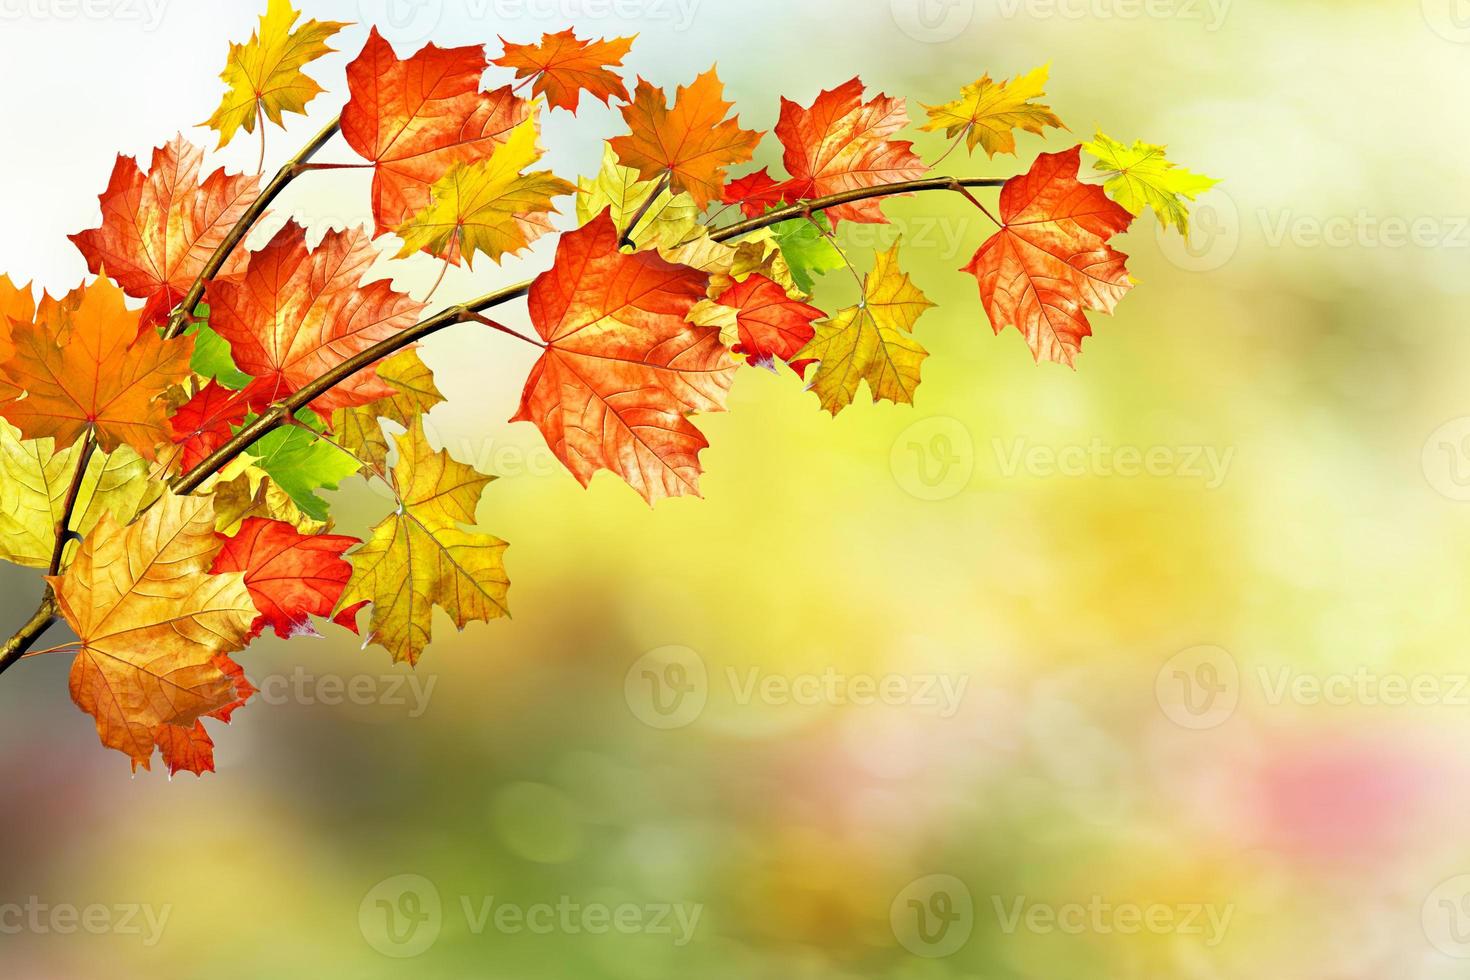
x=264, y=74
x=988, y=112
x=420, y=557
x=358, y=429
x=871, y=341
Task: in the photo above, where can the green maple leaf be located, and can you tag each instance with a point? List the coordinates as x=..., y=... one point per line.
x=806, y=249
x=301, y=464
x=212, y=357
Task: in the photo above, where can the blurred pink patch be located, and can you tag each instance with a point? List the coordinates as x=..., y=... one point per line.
x=1344, y=799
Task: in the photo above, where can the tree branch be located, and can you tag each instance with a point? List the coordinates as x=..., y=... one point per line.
x=295, y=166
x=44, y=616
x=282, y=411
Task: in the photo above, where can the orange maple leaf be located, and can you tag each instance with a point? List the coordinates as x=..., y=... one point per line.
x=188, y=748
x=416, y=117
x=1050, y=262
x=692, y=142
x=17, y=304
x=841, y=143
x=566, y=66
x=622, y=369
x=159, y=229
x=297, y=313
x=83, y=364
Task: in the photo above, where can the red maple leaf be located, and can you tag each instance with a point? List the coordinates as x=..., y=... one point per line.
x=1050, y=263
x=770, y=323
x=622, y=368
x=291, y=576
x=416, y=117
x=203, y=423
x=755, y=192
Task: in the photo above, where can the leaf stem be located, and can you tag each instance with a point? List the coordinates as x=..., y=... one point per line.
x=179, y=321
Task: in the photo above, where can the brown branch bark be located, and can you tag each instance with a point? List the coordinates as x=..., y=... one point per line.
x=282, y=411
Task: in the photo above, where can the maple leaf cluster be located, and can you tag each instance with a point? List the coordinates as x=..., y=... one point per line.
x=163, y=460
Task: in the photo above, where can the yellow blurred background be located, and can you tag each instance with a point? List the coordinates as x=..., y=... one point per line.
x=950, y=690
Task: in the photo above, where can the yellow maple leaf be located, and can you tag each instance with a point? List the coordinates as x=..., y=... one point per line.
x=34, y=479
x=245, y=490
x=1141, y=176
x=264, y=74
x=487, y=206
x=988, y=112
x=671, y=220
x=871, y=341
x=151, y=622
x=420, y=557
x=359, y=429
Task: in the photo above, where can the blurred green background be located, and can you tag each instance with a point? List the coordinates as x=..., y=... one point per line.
x=1206, y=721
